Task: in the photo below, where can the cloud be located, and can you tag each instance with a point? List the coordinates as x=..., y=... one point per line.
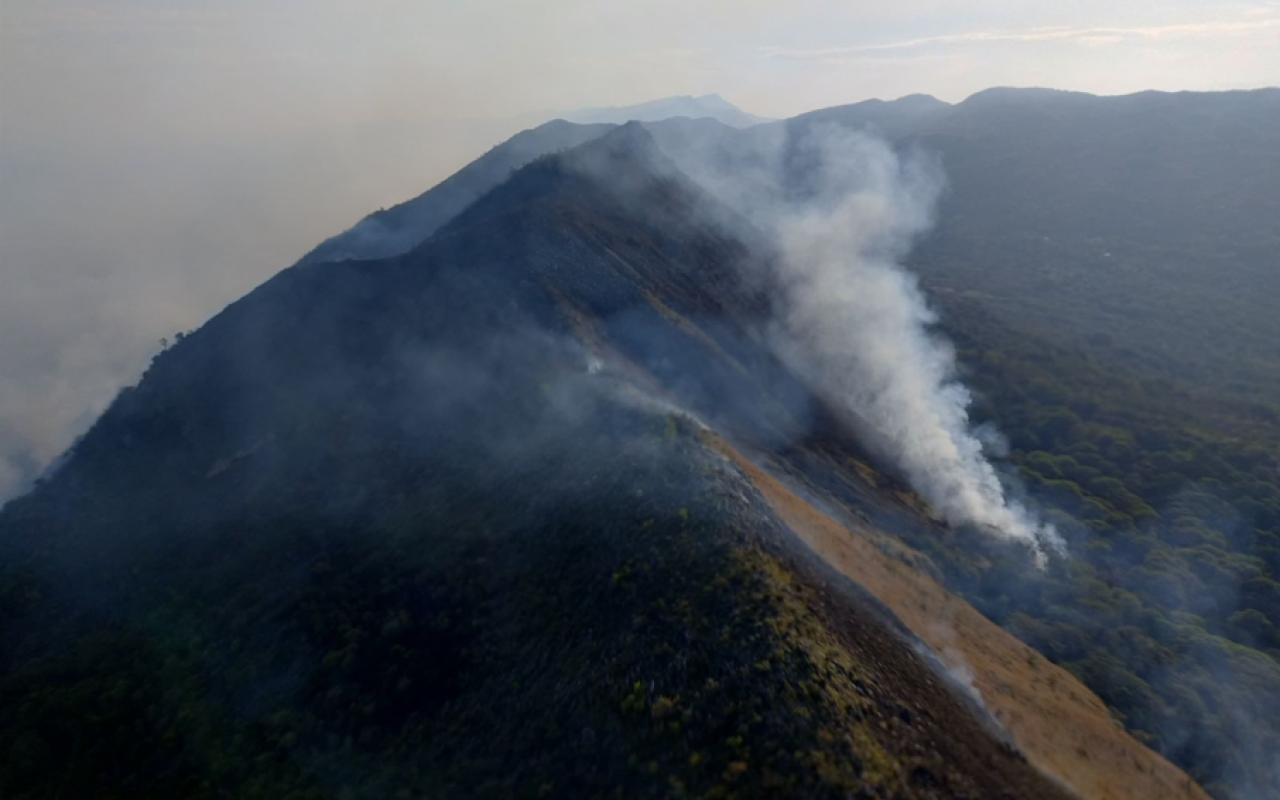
x=1089, y=36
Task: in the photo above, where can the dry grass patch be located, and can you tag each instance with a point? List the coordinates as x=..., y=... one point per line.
x=1061, y=726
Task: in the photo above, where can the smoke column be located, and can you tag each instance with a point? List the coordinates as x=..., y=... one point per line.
x=857, y=326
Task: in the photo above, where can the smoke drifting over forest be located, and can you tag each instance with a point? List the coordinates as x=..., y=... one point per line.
x=844, y=208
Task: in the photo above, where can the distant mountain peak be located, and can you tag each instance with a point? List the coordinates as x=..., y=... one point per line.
x=707, y=106
x=714, y=100
x=920, y=99
x=1008, y=94
x=890, y=117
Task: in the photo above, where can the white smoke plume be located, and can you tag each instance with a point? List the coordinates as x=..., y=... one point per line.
x=856, y=324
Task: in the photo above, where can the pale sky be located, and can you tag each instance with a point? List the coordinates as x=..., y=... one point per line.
x=159, y=158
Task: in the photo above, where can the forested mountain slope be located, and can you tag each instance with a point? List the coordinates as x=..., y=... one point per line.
x=1136, y=388
x=539, y=371
x=434, y=527
x=1141, y=228
x=1108, y=266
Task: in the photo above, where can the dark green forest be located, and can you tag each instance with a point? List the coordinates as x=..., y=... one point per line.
x=1107, y=268
x=1169, y=500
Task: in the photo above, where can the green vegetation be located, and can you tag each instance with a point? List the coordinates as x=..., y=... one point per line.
x=1140, y=229
x=622, y=626
x=1168, y=607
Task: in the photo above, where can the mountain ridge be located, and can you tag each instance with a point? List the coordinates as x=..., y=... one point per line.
x=708, y=106
x=352, y=402
x=353, y=424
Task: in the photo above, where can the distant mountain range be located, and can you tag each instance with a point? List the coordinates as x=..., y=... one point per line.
x=708, y=106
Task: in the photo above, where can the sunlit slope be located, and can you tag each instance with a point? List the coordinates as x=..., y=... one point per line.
x=1060, y=725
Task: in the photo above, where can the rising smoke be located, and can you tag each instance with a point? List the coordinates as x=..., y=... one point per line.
x=844, y=209
x=859, y=326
